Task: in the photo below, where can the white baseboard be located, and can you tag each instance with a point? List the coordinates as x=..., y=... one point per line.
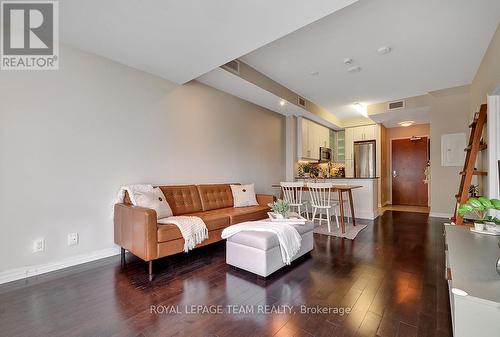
x=28, y=271
x=440, y=215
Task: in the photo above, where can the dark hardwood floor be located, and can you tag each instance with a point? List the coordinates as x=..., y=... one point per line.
x=391, y=276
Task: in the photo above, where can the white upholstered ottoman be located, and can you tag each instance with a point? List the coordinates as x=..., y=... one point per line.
x=259, y=252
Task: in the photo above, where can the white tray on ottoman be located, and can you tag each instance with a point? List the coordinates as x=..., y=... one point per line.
x=259, y=252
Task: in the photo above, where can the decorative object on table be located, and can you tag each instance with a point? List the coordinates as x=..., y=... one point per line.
x=474, y=191
x=306, y=168
x=324, y=171
x=479, y=207
x=280, y=208
x=292, y=193
x=314, y=171
x=291, y=217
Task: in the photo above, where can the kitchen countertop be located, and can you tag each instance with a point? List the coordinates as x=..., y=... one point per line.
x=335, y=178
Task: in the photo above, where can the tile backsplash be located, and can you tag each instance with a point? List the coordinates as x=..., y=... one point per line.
x=320, y=169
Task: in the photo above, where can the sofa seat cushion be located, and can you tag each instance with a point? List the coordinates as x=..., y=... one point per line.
x=265, y=240
x=213, y=219
x=250, y=213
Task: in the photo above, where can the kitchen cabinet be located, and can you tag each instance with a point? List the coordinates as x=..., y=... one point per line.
x=312, y=137
x=338, y=145
x=361, y=133
x=349, y=144
x=349, y=168
x=357, y=134
x=348, y=152
x=370, y=132
x=333, y=141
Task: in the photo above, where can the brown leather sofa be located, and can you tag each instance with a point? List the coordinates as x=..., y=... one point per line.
x=137, y=230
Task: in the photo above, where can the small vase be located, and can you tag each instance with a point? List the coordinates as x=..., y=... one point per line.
x=490, y=226
x=278, y=215
x=479, y=226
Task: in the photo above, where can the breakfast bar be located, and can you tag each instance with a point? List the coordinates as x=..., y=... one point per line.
x=365, y=198
x=341, y=189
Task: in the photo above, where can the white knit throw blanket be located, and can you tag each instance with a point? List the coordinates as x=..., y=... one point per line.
x=193, y=229
x=288, y=237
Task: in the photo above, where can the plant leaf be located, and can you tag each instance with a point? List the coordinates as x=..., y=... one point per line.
x=486, y=202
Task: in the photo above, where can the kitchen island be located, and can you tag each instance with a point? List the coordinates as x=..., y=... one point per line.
x=365, y=198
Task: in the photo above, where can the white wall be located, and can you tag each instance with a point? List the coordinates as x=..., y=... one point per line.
x=70, y=138
x=449, y=114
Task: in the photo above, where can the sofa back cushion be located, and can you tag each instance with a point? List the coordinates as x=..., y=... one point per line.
x=215, y=196
x=183, y=199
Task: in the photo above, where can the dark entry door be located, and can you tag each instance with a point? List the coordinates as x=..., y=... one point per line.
x=409, y=159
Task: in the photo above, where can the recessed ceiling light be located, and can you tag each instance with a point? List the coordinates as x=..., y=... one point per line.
x=347, y=61
x=384, y=50
x=353, y=69
x=361, y=108
x=406, y=123
x=282, y=102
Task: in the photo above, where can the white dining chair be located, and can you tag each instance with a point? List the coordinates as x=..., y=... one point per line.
x=322, y=201
x=292, y=193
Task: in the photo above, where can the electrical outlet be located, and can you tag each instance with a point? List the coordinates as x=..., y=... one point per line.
x=72, y=239
x=39, y=245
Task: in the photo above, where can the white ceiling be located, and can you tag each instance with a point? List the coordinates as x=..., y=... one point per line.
x=237, y=86
x=436, y=45
x=180, y=40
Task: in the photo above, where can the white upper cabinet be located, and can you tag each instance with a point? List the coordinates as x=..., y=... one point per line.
x=349, y=143
x=358, y=134
x=348, y=150
x=304, y=139
x=368, y=132
x=312, y=137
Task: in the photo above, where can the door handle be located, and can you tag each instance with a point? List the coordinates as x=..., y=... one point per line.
x=394, y=174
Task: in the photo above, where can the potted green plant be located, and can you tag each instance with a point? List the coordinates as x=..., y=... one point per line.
x=280, y=208
x=306, y=167
x=479, y=207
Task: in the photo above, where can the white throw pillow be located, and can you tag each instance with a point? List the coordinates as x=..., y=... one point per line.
x=244, y=195
x=154, y=199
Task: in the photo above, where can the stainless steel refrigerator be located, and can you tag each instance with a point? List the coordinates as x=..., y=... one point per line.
x=364, y=159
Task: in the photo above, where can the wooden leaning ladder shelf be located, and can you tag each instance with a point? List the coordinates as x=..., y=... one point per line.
x=469, y=171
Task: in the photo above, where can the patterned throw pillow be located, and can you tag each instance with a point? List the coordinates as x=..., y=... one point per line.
x=244, y=195
x=154, y=199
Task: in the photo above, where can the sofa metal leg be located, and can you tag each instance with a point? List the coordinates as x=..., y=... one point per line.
x=123, y=256
x=150, y=270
